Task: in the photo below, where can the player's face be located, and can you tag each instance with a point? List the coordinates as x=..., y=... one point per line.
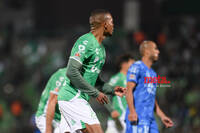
x=154, y=52
x=109, y=26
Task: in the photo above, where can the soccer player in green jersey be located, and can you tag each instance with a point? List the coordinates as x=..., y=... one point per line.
x=48, y=114
x=84, y=65
x=117, y=107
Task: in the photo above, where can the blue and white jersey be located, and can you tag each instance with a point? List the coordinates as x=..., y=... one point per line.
x=144, y=93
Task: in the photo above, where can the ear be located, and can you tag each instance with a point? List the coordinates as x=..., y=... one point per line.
x=105, y=25
x=146, y=52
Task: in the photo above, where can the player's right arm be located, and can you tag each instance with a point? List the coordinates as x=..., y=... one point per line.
x=132, y=79
x=51, y=110
x=129, y=98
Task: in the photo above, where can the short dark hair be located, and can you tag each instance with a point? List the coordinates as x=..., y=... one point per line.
x=123, y=58
x=95, y=19
x=99, y=11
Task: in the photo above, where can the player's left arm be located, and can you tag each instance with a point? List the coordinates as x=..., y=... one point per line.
x=166, y=120
x=51, y=110
x=109, y=89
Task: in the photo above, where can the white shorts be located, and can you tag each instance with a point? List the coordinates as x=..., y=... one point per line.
x=77, y=112
x=57, y=126
x=112, y=127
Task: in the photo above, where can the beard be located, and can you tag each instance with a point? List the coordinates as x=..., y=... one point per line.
x=107, y=34
x=153, y=58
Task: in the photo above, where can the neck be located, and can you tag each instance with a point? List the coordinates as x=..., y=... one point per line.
x=98, y=33
x=147, y=61
x=123, y=71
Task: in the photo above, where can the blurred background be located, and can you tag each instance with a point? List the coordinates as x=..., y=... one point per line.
x=36, y=37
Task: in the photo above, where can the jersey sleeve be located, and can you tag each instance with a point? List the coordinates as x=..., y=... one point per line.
x=82, y=49
x=57, y=82
x=133, y=73
x=55, y=91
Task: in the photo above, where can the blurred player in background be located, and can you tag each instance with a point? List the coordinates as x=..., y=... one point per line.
x=48, y=115
x=118, y=105
x=84, y=65
x=141, y=97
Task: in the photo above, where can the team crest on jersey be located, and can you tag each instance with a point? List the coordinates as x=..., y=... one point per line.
x=132, y=76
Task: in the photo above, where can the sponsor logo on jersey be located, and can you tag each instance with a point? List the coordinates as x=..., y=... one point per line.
x=159, y=79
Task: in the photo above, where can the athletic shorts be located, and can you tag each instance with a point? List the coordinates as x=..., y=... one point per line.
x=57, y=126
x=142, y=128
x=76, y=113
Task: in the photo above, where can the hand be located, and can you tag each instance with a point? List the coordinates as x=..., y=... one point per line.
x=167, y=121
x=114, y=114
x=133, y=116
x=120, y=91
x=102, y=98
